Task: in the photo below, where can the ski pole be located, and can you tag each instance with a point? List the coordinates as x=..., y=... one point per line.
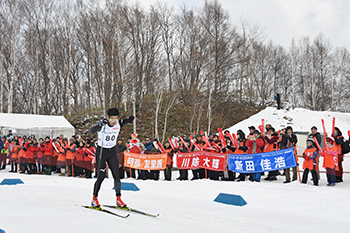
x=333, y=125
x=100, y=156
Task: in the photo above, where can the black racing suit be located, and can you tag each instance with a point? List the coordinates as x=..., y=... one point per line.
x=109, y=155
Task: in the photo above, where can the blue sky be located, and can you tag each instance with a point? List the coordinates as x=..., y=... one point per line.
x=284, y=19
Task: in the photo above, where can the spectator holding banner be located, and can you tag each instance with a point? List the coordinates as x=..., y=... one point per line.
x=316, y=134
x=330, y=154
x=310, y=162
x=169, y=164
x=183, y=172
x=241, y=149
x=339, y=139
x=289, y=140
x=254, y=144
x=271, y=139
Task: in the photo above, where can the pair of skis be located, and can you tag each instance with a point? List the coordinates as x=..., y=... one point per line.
x=121, y=208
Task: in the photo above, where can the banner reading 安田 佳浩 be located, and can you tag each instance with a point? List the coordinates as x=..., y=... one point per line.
x=262, y=162
x=145, y=161
x=202, y=159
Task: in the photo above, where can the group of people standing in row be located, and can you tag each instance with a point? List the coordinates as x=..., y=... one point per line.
x=76, y=157
x=71, y=157
x=255, y=142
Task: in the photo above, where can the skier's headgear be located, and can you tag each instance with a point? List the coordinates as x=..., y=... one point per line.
x=113, y=112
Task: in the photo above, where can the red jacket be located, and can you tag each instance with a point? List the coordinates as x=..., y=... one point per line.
x=88, y=157
x=48, y=149
x=31, y=150
x=40, y=152
x=259, y=143
x=80, y=153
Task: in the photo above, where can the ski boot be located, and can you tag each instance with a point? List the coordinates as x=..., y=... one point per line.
x=120, y=203
x=94, y=202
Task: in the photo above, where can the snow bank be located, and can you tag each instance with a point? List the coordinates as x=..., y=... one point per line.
x=300, y=119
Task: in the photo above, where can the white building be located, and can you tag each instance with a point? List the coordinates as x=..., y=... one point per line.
x=40, y=125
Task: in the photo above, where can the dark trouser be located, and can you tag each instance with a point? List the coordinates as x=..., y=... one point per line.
x=167, y=173
x=183, y=174
x=109, y=156
x=13, y=166
x=313, y=173
x=231, y=175
x=130, y=172
x=272, y=174
x=195, y=174
x=214, y=175
x=295, y=173
x=143, y=174
x=155, y=175
x=241, y=177
x=340, y=166
x=330, y=175
x=201, y=172
x=3, y=160
x=79, y=171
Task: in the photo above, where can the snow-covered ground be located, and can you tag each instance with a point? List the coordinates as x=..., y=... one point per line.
x=52, y=204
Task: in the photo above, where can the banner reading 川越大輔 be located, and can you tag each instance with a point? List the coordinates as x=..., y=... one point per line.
x=262, y=162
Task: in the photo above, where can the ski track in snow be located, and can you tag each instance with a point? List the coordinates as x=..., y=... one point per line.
x=52, y=204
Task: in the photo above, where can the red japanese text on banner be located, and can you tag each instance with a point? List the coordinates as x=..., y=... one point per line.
x=145, y=162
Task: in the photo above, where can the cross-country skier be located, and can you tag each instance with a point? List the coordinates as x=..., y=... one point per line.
x=108, y=131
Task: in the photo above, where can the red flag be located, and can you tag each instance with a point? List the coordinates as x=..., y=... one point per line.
x=183, y=141
x=235, y=140
x=162, y=148
x=317, y=144
x=222, y=138
x=171, y=144
x=263, y=125
x=230, y=136
x=325, y=143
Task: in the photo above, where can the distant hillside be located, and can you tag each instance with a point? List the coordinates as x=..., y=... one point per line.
x=226, y=112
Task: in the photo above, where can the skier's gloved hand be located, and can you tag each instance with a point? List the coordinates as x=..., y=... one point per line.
x=103, y=122
x=131, y=118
